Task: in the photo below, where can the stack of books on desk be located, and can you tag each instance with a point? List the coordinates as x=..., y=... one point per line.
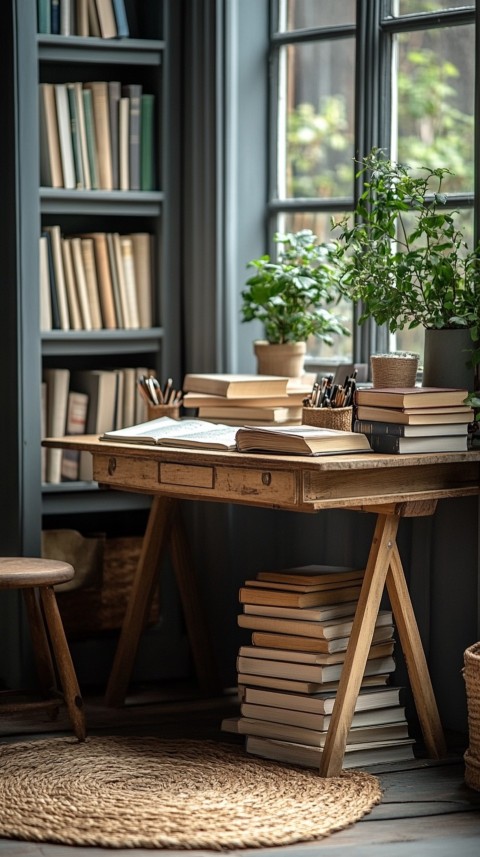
x=413, y=419
x=251, y=399
x=301, y=619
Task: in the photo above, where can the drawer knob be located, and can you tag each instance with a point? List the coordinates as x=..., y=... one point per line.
x=112, y=466
x=266, y=478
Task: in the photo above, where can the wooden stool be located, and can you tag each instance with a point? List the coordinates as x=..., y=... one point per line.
x=36, y=578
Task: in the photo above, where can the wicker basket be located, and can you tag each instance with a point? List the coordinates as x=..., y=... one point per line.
x=332, y=418
x=156, y=411
x=471, y=674
x=398, y=369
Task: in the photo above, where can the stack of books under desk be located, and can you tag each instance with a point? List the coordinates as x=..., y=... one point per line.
x=301, y=619
x=247, y=399
x=413, y=419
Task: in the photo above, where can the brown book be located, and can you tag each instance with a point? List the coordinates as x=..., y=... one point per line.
x=202, y=400
x=417, y=416
x=277, y=639
x=300, y=440
x=51, y=174
x=81, y=18
x=57, y=381
x=71, y=287
x=114, y=275
x=81, y=282
x=106, y=19
x=301, y=587
x=251, y=413
x=313, y=574
x=104, y=279
x=278, y=598
x=143, y=265
x=411, y=397
x=236, y=385
x=88, y=256
x=298, y=686
x=101, y=118
x=378, y=650
x=318, y=673
x=330, y=629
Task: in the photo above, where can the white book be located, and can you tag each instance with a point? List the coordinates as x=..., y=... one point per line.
x=82, y=134
x=45, y=299
x=71, y=287
x=81, y=283
x=361, y=735
x=58, y=381
x=310, y=757
x=65, y=135
x=322, y=703
x=130, y=282
x=309, y=720
x=317, y=673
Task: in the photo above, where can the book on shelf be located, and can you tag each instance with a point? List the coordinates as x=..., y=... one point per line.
x=46, y=322
x=309, y=720
x=251, y=414
x=114, y=88
x=129, y=393
x=328, y=630
x=356, y=736
x=101, y=122
x=317, y=673
x=121, y=20
x=300, y=440
x=71, y=287
x=289, y=399
x=51, y=174
x=397, y=445
x=310, y=757
x=416, y=416
x=405, y=430
x=313, y=575
x=299, y=642
x=59, y=284
x=280, y=598
x=411, y=397
x=57, y=381
x=142, y=243
x=236, y=386
x=81, y=282
x=44, y=17
x=101, y=387
x=91, y=145
x=378, y=650
x=67, y=23
x=147, y=137
x=75, y=135
x=106, y=19
x=82, y=133
x=123, y=143
x=165, y=431
x=55, y=310
x=133, y=91
x=368, y=699
x=55, y=17
x=77, y=408
x=104, y=279
x=81, y=18
x=120, y=317
x=128, y=281
x=300, y=686
x=90, y=270
x=65, y=135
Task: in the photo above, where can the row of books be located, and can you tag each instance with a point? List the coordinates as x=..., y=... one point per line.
x=413, y=419
x=86, y=401
x=301, y=619
x=105, y=19
x=94, y=281
x=97, y=135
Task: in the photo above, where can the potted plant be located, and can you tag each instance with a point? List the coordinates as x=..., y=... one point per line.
x=406, y=260
x=291, y=296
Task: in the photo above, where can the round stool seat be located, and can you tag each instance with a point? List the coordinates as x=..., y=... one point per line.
x=17, y=572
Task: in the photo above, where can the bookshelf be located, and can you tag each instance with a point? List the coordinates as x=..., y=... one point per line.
x=29, y=208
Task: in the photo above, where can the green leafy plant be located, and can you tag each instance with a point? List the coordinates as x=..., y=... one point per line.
x=291, y=296
x=405, y=258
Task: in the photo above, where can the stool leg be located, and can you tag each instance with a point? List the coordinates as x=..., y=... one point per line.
x=40, y=645
x=63, y=660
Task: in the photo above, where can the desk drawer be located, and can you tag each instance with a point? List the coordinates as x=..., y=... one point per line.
x=269, y=487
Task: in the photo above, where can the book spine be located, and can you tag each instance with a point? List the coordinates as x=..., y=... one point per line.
x=44, y=24
x=114, y=92
x=70, y=286
x=45, y=301
x=134, y=92
x=121, y=19
x=147, y=109
x=55, y=17
x=88, y=255
x=56, y=322
x=65, y=135
x=74, y=130
x=369, y=427
x=101, y=120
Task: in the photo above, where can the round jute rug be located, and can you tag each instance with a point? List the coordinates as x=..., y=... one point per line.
x=153, y=793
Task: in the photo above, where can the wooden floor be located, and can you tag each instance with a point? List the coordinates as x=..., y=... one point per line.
x=426, y=811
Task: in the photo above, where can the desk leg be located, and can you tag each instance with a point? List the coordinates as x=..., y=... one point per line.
x=415, y=659
x=155, y=539
x=359, y=644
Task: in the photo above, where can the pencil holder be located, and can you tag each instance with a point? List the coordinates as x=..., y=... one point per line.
x=155, y=411
x=332, y=418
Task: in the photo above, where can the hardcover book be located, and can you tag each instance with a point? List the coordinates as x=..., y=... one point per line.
x=322, y=703
x=301, y=754
x=300, y=440
x=237, y=386
x=416, y=416
x=398, y=445
x=411, y=397
x=404, y=430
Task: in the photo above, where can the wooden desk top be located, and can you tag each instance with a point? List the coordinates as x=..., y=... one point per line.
x=302, y=483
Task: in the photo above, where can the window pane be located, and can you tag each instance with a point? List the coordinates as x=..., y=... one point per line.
x=320, y=224
x=413, y=7
x=434, y=85
x=316, y=120
x=300, y=14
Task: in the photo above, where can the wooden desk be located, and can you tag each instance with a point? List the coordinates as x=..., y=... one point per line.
x=391, y=487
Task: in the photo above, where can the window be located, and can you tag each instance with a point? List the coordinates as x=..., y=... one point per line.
x=348, y=76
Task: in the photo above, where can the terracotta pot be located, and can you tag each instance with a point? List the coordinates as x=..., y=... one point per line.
x=446, y=355
x=286, y=359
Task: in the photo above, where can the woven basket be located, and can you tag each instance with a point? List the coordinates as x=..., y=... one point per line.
x=156, y=411
x=394, y=370
x=471, y=674
x=332, y=418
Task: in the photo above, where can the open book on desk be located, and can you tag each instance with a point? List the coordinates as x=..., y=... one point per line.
x=300, y=440
x=165, y=431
